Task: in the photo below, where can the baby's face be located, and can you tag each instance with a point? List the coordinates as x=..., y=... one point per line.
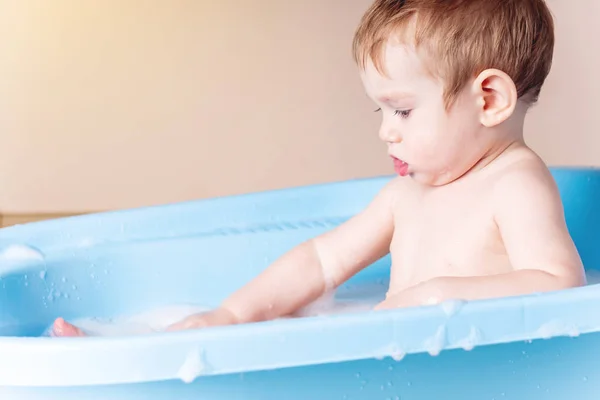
x=432, y=145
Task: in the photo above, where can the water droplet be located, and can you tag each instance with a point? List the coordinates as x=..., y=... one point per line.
x=25, y=277
x=42, y=274
x=64, y=280
x=391, y=368
x=436, y=343
x=93, y=276
x=452, y=307
x=105, y=272
x=74, y=287
x=382, y=388
x=193, y=366
x=66, y=295
x=390, y=384
x=408, y=383
x=357, y=375
x=398, y=355
x=585, y=378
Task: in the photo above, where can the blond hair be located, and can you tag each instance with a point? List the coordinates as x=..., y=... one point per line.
x=462, y=38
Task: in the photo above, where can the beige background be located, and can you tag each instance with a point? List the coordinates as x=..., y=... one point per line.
x=125, y=103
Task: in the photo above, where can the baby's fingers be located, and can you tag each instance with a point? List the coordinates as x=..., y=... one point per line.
x=218, y=317
x=192, y=322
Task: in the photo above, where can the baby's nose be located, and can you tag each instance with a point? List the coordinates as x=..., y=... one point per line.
x=390, y=135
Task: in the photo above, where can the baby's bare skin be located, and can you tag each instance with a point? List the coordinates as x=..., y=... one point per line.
x=505, y=235
x=436, y=255
x=474, y=213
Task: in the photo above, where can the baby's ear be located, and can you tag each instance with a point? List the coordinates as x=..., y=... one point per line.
x=496, y=96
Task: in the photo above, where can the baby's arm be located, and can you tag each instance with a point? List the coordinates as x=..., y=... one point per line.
x=530, y=217
x=304, y=273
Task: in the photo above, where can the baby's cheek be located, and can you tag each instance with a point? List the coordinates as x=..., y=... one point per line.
x=427, y=151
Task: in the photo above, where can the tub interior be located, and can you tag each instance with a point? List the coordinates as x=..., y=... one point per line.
x=129, y=278
x=126, y=262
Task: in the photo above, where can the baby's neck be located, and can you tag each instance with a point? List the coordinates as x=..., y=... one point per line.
x=500, y=149
x=504, y=138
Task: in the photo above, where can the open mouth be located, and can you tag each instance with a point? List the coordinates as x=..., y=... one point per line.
x=401, y=167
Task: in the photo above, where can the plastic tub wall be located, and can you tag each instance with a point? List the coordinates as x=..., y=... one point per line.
x=542, y=346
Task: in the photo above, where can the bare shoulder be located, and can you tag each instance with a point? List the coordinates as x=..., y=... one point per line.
x=529, y=213
x=525, y=176
x=524, y=190
x=400, y=192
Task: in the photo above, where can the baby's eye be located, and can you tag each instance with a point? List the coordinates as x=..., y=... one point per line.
x=379, y=109
x=402, y=113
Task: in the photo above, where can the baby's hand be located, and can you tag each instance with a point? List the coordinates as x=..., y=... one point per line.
x=426, y=293
x=217, y=317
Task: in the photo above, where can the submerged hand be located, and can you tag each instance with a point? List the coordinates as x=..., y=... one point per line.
x=515, y=283
x=426, y=293
x=217, y=317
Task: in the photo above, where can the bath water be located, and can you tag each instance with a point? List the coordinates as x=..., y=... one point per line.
x=358, y=298
x=347, y=299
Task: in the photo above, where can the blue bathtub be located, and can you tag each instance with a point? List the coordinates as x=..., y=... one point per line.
x=533, y=347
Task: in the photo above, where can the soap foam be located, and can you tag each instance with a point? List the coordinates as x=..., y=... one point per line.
x=348, y=299
x=328, y=305
x=15, y=257
x=557, y=328
x=19, y=252
x=452, y=307
x=151, y=321
x=158, y=319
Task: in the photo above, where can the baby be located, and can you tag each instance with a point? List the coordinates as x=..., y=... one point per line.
x=473, y=213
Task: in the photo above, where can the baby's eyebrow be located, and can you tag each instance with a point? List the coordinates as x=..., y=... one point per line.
x=391, y=96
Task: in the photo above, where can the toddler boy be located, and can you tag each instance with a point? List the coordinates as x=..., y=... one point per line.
x=473, y=213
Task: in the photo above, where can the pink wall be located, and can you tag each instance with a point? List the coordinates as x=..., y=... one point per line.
x=132, y=103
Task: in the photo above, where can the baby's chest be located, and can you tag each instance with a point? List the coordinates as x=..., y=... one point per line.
x=449, y=239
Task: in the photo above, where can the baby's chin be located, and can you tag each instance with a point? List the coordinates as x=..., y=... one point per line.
x=432, y=178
